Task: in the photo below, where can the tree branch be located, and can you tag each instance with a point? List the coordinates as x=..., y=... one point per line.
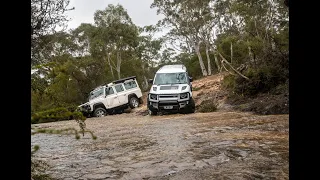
x=224, y=60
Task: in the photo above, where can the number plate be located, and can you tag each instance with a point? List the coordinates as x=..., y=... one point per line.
x=168, y=107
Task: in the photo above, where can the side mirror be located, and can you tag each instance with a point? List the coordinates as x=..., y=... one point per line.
x=150, y=81
x=190, y=79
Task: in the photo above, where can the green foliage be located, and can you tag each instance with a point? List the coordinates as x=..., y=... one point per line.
x=260, y=80
x=193, y=67
x=56, y=114
x=44, y=21
x=38, y=170
x=66, y=131
x=70, y=64
x=35, y=149
x=240, y=49
x=208, y=105
x=196, y=88
x=78, y=116
x=75, y=62
x=229, y=82
x=192, y=64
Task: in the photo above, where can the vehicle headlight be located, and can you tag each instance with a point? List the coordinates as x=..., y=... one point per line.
x=154, y=88
x=183, y=95
x=184, y=87
x=86, y=107
x=153, y=96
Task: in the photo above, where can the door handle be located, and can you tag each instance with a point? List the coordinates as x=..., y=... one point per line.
x=115, y=97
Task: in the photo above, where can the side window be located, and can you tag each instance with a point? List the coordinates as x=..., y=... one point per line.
x=109, y=91
x=119, y=88
x=130, y=84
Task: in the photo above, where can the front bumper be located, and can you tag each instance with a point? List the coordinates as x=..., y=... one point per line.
x=168, y=102
x=85, y=109
x=164, y=105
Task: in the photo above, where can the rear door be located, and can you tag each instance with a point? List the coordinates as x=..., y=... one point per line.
x=132, y=87
x=112, y=98
x=122, y=94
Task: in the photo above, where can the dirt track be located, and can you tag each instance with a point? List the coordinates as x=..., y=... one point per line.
x=218, y=145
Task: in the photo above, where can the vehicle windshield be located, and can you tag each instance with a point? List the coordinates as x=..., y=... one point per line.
x=170, y=78
x=96, y=93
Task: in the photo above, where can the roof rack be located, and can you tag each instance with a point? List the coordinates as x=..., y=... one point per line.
x=124, y=79
x=114, y=82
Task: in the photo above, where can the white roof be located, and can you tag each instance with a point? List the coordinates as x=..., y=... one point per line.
x=172, y=68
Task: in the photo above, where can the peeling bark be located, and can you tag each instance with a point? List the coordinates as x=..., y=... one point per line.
x=118, y=64
x=208, y=59
x=203, y=68
x=217, y=62
x=231, y=49
x=109, y=65
x=144, y=78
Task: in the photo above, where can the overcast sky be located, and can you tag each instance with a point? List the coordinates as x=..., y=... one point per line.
x=139, y=11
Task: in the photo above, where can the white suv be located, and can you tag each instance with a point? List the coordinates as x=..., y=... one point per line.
x=113, y=98
x=171, y=90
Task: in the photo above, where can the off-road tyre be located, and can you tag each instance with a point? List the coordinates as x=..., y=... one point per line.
x=99, y=112
x=133, y=102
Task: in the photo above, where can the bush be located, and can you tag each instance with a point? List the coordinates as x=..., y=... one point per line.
x=229, y=82
x=71, y=108
x=78, y=116
x=196, y=88
x=260, y=81
x=207, y=106
x=270, y=70
x=56, y=114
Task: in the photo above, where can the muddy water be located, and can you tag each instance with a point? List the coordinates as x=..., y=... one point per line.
x=220, y=145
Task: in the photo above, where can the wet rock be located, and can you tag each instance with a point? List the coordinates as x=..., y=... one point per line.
x=200, y=164
x=96, y=176
x=170, y=173
x=222, y=143
x=107, y=161
x=217, y=160
x=184, y=146
x=126, y=169
x=69, y=178
x=141, y=164
x=104, y=170
x=122, y=159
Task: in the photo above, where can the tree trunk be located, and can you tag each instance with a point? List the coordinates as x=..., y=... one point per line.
x=255, y=25
x=231, y=49
x=203, y=68
x=144, y=78
x=225, y=61
x=208, y=59
x=252, y=61
x=109, y=65
x=217, y=62
x=224, y=67
x=118, y=64
x=146, y=82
